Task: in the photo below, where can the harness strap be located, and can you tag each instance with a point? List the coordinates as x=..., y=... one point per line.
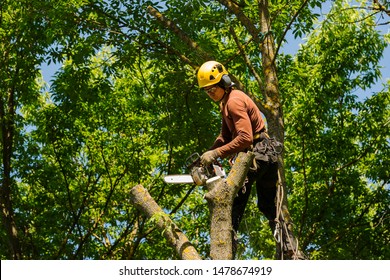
x=260, y=135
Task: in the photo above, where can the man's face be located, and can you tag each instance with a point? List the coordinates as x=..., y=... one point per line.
x=215, y=92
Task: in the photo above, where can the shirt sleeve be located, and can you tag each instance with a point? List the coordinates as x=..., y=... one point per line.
x=243, y=135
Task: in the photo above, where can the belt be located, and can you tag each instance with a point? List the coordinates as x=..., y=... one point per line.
x=258, y=136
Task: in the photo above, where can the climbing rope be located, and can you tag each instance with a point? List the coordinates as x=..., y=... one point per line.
x=281, y=228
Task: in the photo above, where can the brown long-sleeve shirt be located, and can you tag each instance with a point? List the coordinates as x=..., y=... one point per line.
x=241, y=119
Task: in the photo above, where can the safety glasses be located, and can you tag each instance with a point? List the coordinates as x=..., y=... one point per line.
x=210, y=90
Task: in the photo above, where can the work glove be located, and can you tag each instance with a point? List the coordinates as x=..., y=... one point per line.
x=209, y=157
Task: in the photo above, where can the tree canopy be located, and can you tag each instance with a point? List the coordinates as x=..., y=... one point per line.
x=124, y=109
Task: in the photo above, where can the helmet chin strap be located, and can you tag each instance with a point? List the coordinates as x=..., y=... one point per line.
x=227, y=91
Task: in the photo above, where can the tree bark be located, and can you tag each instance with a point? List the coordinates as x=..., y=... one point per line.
x=7, y=117
x=275, y=119
x=220, y=196
x=142, y=200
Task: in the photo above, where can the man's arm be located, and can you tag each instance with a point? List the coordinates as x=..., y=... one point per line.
x=243, y=128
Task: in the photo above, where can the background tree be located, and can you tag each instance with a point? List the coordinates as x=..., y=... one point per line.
x=336, y=137
x=124, y=109
x=22, y=45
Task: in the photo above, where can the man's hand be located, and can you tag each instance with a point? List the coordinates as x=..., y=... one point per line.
x=209, y=157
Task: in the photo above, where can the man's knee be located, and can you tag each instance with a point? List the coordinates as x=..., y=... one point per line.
x=269, y=210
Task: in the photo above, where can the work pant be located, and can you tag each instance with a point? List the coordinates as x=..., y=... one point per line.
x=266, y=178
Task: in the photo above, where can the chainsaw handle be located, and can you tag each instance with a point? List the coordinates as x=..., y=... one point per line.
x=192, y=161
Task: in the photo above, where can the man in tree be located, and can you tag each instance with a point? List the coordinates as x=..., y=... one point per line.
x=243, y=128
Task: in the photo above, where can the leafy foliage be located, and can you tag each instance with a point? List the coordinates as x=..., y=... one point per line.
x=124, y=109
x=332, y=143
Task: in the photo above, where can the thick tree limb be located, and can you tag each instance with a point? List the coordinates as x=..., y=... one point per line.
x=142, y=200
x=180, y=33
x=220, y=196
x=8, y=107
x=247, y=60
x=378, y=6
x=237, y=11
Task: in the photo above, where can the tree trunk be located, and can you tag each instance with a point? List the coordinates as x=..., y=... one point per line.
x=7, y=116
x=142, y=200
x=275, y=117
x=275, y=114
x=220, y=196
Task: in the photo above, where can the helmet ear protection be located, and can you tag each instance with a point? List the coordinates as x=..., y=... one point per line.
x=226, y=82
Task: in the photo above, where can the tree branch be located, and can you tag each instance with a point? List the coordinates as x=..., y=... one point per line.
x=142, y=200
x=247, y=61
x=237, y=11
x=289, y=27
x=180, y=33
x=380, y=7
x=220, y=196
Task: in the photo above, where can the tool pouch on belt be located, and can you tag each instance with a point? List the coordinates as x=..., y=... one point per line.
x=267, y=149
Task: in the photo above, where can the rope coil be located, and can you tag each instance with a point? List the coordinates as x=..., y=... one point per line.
x=281, y=228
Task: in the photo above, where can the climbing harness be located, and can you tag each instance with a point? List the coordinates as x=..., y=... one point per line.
x=267, y=149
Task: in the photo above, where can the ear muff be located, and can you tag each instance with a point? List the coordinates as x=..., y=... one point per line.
x=226, y=82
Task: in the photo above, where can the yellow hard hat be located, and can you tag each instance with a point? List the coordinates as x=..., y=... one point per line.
x=211, y=73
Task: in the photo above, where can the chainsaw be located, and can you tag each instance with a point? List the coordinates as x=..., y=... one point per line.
x=199, y=174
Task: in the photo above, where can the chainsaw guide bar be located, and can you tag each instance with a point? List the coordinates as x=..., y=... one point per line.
x=178, y=179
x=199, y=174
